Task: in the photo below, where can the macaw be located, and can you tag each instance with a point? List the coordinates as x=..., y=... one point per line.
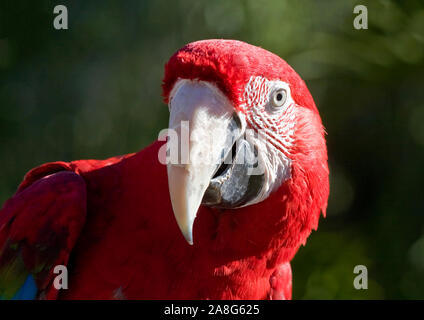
x=141, y=226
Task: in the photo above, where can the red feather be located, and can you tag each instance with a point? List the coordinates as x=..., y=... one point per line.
x=40, y=225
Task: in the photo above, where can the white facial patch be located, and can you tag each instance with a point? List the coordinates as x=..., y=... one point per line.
x=270, y=111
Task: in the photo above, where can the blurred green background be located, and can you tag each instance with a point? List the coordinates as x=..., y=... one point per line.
x=93, y=91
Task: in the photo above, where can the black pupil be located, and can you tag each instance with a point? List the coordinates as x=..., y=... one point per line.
x=279, y=96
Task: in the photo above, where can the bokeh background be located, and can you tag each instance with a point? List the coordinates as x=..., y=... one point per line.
x=93, y=91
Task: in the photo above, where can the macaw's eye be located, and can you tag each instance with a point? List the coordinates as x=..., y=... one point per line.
x=278, y=98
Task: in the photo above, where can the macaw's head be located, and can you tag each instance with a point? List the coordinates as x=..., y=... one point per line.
x=246, y=149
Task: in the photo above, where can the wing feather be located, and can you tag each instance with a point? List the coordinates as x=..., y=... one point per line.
x=39, y=227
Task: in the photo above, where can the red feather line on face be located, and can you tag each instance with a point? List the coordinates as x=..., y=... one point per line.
x=277, y=127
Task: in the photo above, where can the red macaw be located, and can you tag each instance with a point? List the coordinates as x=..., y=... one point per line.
x=135, y=227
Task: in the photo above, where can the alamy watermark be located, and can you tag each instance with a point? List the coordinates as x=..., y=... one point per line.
x=61, y=280
x=360, y=282
x=361, y=20
x=61, y=20
x=177, y=150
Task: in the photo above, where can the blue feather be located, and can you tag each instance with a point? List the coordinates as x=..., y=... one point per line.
x=28, y=291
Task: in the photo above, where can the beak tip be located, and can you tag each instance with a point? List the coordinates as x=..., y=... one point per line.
x=189, y=238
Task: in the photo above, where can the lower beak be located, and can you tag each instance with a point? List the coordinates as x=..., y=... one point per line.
x=203, y=129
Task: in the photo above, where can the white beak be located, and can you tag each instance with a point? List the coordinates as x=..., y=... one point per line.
x=200, y=121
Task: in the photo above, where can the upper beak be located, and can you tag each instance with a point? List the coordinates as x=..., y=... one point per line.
x=203, y=126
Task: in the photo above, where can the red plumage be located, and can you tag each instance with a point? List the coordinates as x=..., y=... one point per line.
x=130, y=245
